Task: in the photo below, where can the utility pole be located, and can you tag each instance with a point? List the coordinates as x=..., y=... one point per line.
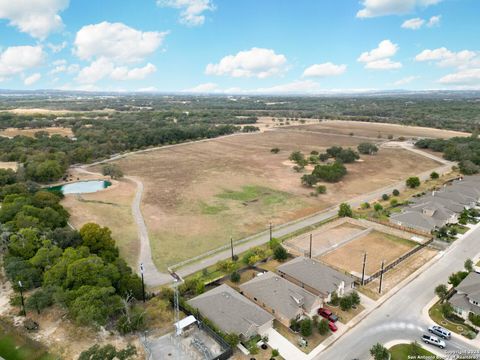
x=381, y=278
x=271, y=231
x=21, y=298
x=363, y=267
x=231, y=246
x=143, y=282
x=311, y=236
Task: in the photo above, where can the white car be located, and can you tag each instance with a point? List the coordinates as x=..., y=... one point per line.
x=433, y=340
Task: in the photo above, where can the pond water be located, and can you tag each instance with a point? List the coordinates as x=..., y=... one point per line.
x=82, y=187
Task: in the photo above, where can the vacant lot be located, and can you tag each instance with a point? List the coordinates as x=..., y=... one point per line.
x=323, y=238
x=197, y=195
x=112, y=208
x=378, y=246
x=376, y=130
x=12, y=132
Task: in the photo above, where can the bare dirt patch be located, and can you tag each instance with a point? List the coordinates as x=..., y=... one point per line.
x=400, y=272
x=12, y=132
x=9, y=165
x=199, y=194
x=378, y=246
x=379, y=130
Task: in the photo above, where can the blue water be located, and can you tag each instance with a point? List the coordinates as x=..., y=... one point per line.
x=82, y=187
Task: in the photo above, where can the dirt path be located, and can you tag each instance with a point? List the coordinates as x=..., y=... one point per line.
x=152, y=276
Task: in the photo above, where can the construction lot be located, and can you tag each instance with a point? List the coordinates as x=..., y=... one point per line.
x=199, y=194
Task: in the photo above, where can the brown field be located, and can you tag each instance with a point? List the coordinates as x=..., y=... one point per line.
x=197, y=195
x=402, y=271
x=373, y=130
x=112, y=208
x=12, y=132
x=8, y=165
x=323, y=239
x=379, y=246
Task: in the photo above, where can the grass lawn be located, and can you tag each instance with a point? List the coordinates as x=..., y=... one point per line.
x=12, y=350
x=313, y=341
x=345, y=316
x=460, y=228
x=437, y=316
x=403, y=351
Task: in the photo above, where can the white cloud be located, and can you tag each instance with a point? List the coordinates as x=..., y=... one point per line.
x=405, y=80
x=147, y=89
x=37, y=18
x=325, y=69
x=57, y=47
x=379, y=58
x=434, y=21
x=462, y=77
x=295, y=87
x=373, y=8
x=117, y=42
x=413, y=24
x=446, y=58
x=104, y=68
x=62, y=67
x=16, y=59
x=124, y=73
x=256, y=62
x=191, y=10
x=203, y=88
x=32, y=79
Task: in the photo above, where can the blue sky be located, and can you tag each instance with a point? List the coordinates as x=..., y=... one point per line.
x=240, y=46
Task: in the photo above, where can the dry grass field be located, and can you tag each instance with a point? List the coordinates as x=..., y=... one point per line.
x=378, y=246
x=197, y=195
x=12, y=132
x=374, y=130
x=110, y=207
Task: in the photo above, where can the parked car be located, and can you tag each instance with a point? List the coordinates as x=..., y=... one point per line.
x=332, y=326
x=327, y=314
x=440, y=331
x=433, y=340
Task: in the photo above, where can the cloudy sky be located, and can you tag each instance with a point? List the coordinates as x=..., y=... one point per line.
x=239, y=46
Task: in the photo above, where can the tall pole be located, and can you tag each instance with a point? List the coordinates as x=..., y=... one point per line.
x=311, y=236
x=231, y=246
x=143, y=282
x=21, y=298
x=271, y=231
x=381, y=278
x=363, y=267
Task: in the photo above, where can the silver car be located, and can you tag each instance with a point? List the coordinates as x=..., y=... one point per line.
x=440, y=331
x=433, y=340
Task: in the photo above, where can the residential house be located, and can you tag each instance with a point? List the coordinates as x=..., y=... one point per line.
x=317, y=278
x=282, y=298
x=467, y=298
x=232, y=313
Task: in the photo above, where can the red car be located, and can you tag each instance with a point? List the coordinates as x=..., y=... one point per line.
x=332, y=326
x=327, y=314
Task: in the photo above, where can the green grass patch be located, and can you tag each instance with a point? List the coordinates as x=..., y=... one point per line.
x=460, y=228
x=207, y=209
x=10, y=349
x=436, y=315
x=406, y=351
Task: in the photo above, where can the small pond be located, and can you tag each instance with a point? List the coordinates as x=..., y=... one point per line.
x=82, y=187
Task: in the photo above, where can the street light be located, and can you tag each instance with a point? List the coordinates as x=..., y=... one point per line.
x=21, y=298
x=143, y=283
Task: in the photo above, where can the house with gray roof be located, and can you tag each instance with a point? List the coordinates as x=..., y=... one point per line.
x=448, y=204
x=415, y=220
x=232, y=313
x=282, y=298
x=467, y=298
x=317, y=278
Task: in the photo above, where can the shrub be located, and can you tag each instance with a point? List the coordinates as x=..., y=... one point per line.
x=434, y=175
x=280, y=254
x=323, y=327
x=275, y=150
x=367, y=148
x=365, y=205
x=385, y=197
x=275, y=353
x=393, y=202
x=346, y=303
x=232, y=339
x=334, y=299
x=475, y=319
x=378, y=351
x=235, y=277
x=321, y=189
x=395, y=192
x=413, y=182
x=345, y=210
x=306, y=327
x=377, y=207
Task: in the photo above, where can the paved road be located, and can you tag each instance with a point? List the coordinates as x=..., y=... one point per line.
x=400, y=317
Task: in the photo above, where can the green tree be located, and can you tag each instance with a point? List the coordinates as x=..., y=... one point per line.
x=235, y=277
x=395, y=192
x=346, y=303
x=385, y=197
x=345, y=210
x=441, y=291
x=413, y=182
x=456, y=278
x=323, y=327
x=309, y=180
x=377, y=207
x=446, y=309
x=306, y=327
x=40, y=299
x=297, y=157
x=112, y=170
x=355, y=298
x=108, y=352
x=468, y=265
x=99, y=240
x=367, y=148
x=280, y=254
x=379, y=352
x=330, y=172
x=321, y=189
x=434, y=175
